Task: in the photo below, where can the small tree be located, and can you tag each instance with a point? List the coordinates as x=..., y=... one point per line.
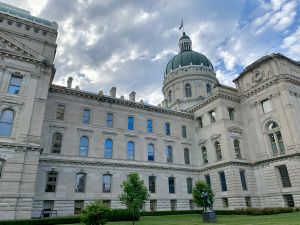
x=134, y=195
x=94, y=214
x=201, y=186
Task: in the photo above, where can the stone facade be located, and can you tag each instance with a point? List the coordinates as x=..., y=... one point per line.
x=244, y=141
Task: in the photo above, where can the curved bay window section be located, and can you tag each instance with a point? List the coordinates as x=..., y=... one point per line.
x=188, y=90
x=84, y=146
x=218, y=150
x=56, y=143
x=275, y=138
x=6, y=122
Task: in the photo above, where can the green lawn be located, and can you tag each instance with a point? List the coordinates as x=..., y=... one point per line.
x=279, y=219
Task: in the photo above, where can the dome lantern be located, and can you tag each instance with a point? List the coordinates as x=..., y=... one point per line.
x=185, y=43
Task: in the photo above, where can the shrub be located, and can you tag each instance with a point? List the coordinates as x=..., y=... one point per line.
x=46, y=221
x=263, y=211
x=95, y=213
x=121, y=215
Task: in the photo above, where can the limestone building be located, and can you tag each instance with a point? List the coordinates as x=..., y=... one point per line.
x=61, y=147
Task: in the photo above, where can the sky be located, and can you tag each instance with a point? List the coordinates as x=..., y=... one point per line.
x=127, y=43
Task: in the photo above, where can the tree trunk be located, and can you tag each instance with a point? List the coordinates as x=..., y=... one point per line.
x=133, y=218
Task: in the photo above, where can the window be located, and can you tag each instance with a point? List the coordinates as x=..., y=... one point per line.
x=130, y=150
x=186, y=156
x=130, y=123
x=169, y=154
x=191, y=203
x=150, y=152
x=200, y=121
x=78, y=206
x=266, y=105
x=6, y=122
x=173, y=204
x=84, y=146
x=248, y=202
x=289, y=200
x=2, y=161
x=153, y=205
x=48, y=205
x=237, y=150
x=189, y=184
x=51, y=181
x=86, y=116
x=231, y=113
x=188, y=90
x=212, y=116
x=152, y=184
x=204, y=155
x=56, y=143
x=225, y=202
x=109, y=120
x=171, y=185
x=167, y=129
x=208, y=89
x=15, y=84
x=275, y=138
x=183, y=131
x=80, y=182
x=243, y=180
x=170, y=96
x=149, y=126
x=60, y=112
x=223, y=181
x=106, y=183
x=284, y=175
x=207, y=180
x=218, y=150
x=108, y=148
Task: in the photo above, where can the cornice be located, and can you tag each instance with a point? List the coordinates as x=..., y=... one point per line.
x=111, y=100
x=20, y=147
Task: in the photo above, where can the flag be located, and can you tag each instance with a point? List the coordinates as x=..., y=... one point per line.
x=181, y=25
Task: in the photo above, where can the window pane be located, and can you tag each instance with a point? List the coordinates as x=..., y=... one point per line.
x=150, y=152
x=56, y=143
x=183, y=129
x=84, y=146
x=149, y=126
x=218, y=150
x=109, y=120
x=284, y=176
x=223, y=181
x=152, y=184
x=208, y=89
x=60, y=112
x=106, y=183
x=243, y=180
x=267, y=106
x=1, y=166
x=130, y=123
x=86, y=116
x=130, y=150
x=170, y=96
x=204, y=155
x=171, y=185
x=207, y=180
x=237, y=150
x=273, y=143
x=14, y=85
x=231, y=113
x=186, y=156
x=189, y=183
x=280, y=142
x=108, y=148
x=51, y=181
x=289, y=200
x=167, y=129
x=200, y=121
x=169, y=154
x=188, y=91
x=6, y=122
x=80, y=182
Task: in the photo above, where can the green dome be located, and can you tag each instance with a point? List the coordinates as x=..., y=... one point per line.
x=187, y=58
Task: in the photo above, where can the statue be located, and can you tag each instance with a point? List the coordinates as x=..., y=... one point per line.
x=207, y=204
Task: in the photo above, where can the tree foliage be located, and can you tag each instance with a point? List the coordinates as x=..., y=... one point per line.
x=134, y=195
x=94, y=214
x=198, y=189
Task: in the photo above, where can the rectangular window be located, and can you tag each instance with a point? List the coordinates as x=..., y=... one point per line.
x=51, y=181
x=183, y=130
x=169, y=154
x=266, y=105
x=130, y=123
x=173, y=205
x=48, y=206
x=149, y=126
x=207, y=180
x=212, y=116
x=86, y=116
x=248, y=202
x=78, y=206
x=231, y=113
x=223, y=181
x=200, y=122
x=60, y=112
x=225, y=202
x=80, y=182
x=171, y=185
x=109, y=120
x=14, y=84
x=289, y=200
x=106, y=183
x=189, y=184
x=153, y=205
x=152, y=184
x=284, y=174
x=167, y=129
x=243, y=180
x=186, y=156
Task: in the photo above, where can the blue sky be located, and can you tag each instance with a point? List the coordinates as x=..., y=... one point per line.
x=127, y=44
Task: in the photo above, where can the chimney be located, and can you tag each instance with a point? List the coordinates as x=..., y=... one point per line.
x=69, y=82
x=113, y=92
x=132, y=96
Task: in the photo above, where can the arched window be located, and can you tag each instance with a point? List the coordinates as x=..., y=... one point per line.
x=2, y=161
x=84, y=146
x=188, y=90
x=150, y=152
x=237, y=149
x=6, y=122
x=208, y=88
x=275, y=138
x=170, y=96
x=186, y=156
x=204, y=155
x=130, y=150
x=56, y=143
x=108, y=148
x=80, y=182
x=218, y=150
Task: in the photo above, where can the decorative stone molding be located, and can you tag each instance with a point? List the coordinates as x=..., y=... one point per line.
x=235, y=129
x=202, y=142
x=20, y=147
x=109, y=133
x=215, y=137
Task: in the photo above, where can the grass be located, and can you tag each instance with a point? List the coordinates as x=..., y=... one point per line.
x=194, y=219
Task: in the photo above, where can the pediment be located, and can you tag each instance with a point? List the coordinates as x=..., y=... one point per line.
x=9, y=45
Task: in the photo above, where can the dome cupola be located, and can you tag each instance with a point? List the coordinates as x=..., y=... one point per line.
x=185, y=43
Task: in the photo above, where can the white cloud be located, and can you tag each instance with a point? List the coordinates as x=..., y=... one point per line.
x=291, y=44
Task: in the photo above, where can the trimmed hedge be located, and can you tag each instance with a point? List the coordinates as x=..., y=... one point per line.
x=48, y=221
x=120, y=215
x=264, y=211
